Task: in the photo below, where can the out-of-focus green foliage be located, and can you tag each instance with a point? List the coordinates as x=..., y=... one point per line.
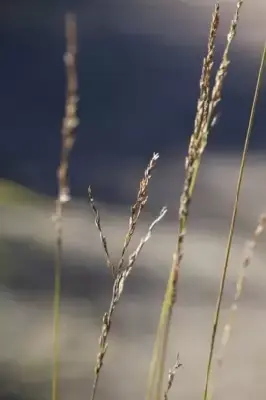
x=13, y=193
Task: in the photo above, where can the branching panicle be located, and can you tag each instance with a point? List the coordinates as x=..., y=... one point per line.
x=118, y=288
x=137, y=208
x=121, y=272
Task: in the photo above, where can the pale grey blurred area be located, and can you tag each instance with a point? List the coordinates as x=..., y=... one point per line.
x=27, y=257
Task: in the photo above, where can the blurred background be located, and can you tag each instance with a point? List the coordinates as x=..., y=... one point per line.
x=139, y=64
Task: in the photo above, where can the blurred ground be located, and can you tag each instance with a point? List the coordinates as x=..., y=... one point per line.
x=27, y=246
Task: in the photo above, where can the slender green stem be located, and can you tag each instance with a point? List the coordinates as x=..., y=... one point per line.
x=70, y=122
x=233, y=221
x=57, y=296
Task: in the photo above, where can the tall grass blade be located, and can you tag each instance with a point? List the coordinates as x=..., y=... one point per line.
x=70, y=122
x=232, y=226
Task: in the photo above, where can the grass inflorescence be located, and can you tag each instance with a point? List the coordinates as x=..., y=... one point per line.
x=122, y=270
x=204, y=121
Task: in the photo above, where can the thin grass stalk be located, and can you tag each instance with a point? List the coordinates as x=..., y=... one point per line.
x=56, y=300
x=249, y=252
x=232, y=226
x=70, y=122
x=171, y=376
x=205, y=119
x=121, y=272
x=118, y=288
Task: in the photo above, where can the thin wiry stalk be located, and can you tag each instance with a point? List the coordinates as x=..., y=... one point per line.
x=171, y=376
x=56, y=301
x=70, y=122
x=205, y=119
x=249, y=252
x=136, y=209
x=118, y=288
x=99, y=227
x=232, y=226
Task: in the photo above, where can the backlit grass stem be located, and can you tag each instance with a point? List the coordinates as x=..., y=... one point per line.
x=70, y=122
x=232, y=226
x=205, y=119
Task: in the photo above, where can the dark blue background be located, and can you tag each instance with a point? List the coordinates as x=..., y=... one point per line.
x=138, y=95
